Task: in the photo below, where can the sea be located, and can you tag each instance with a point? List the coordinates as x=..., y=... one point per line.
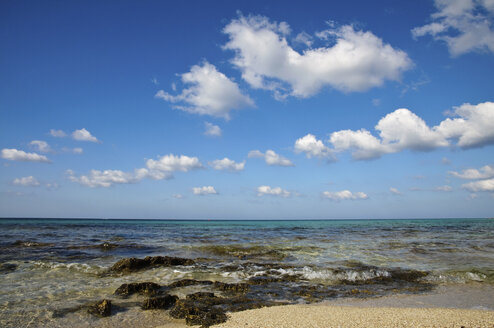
x=51, y=268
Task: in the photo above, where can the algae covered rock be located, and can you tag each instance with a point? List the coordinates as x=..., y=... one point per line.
x=133, y=264
x=143, y=288
x=101, y=308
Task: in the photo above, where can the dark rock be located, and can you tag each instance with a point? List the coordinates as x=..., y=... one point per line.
x=189, y=282
x=143, y=288
x=162, y=302
x=266, y=279
x=7, y=267
x=200, y=296
x=235, y=288
x=134, y=264
x=101, y=308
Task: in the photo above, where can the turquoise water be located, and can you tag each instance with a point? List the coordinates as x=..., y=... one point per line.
x=47, y=264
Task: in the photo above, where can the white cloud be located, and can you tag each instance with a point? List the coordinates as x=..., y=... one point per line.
x=394, y=191
x=29, y=181
x=357, y=61
x=271, y=158
x=206, y=190
x=402, y=129
x=162, y=168
x=57, y=133
x=227, y=164
x=210, y=93
x=465, y=25
x=474, y=126
x=20, y=155
x=76, y=150
x=212, y=130
x=344, y=195
x=312, y=147
x=445, y=188
x=41, y=146
x=178, y=196
x=481, y=185
x=105, y=178
x=484, y=172
x=277, y=191
x=84, y=135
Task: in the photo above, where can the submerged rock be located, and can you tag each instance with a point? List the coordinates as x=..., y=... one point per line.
x=143, y=288
x=22, y=243
x=107, y=246
x=162, y=302
x=7, y=267
x=235, y=288
x=134, y=264
x=189, y=282
x=101, y=308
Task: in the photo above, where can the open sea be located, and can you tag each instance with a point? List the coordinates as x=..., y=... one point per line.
x=50, y=268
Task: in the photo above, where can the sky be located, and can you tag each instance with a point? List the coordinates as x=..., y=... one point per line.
x=247, y=109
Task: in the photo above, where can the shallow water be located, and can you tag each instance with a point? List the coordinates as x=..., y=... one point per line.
x=51, y=265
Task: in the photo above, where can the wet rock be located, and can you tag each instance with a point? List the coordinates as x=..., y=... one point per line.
x=205, y=309
x=101, y=308
x=266, y=279
x=22, y=243
x=7, y=267
x=235, y=288
x=162, y=302
x=143, y=288
x=107, y=246
x=189, y=282
x=134, y=264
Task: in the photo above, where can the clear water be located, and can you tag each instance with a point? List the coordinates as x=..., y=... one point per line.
x=48, y=265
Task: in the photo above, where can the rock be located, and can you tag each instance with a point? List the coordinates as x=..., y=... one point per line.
x=107, y=246
x=143, y=288
x=189, y=282
x=162, y=302
x=200, y=296
x=235, y=288
x=101, y=308
x=7, y=267
x=21, y=243
x=134, y=264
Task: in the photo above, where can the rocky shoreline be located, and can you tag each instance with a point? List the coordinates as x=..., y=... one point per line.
x=211, y=300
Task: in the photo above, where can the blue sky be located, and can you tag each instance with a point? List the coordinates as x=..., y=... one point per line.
x=237, y=110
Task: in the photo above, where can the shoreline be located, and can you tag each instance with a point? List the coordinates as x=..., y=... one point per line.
x=448, y=306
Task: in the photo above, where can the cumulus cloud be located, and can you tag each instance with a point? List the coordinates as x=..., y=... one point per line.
x=465, y=25
x=484, y=172
x=29, y=181
x=473, y=126
x=357, y=61
x=277, y=191
x=481, y=185
x=212, y=130
x=105, y=178
x=271, y=158
x=84, y=135
x=41, y=146
x=394, y=191
x=57, y=133
x=162, y=168
x=202, y=191
x=312, y=147
x=344, y=195
x=20, y=155
x=227, y=164
x=470, y=126
x=210, y=92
